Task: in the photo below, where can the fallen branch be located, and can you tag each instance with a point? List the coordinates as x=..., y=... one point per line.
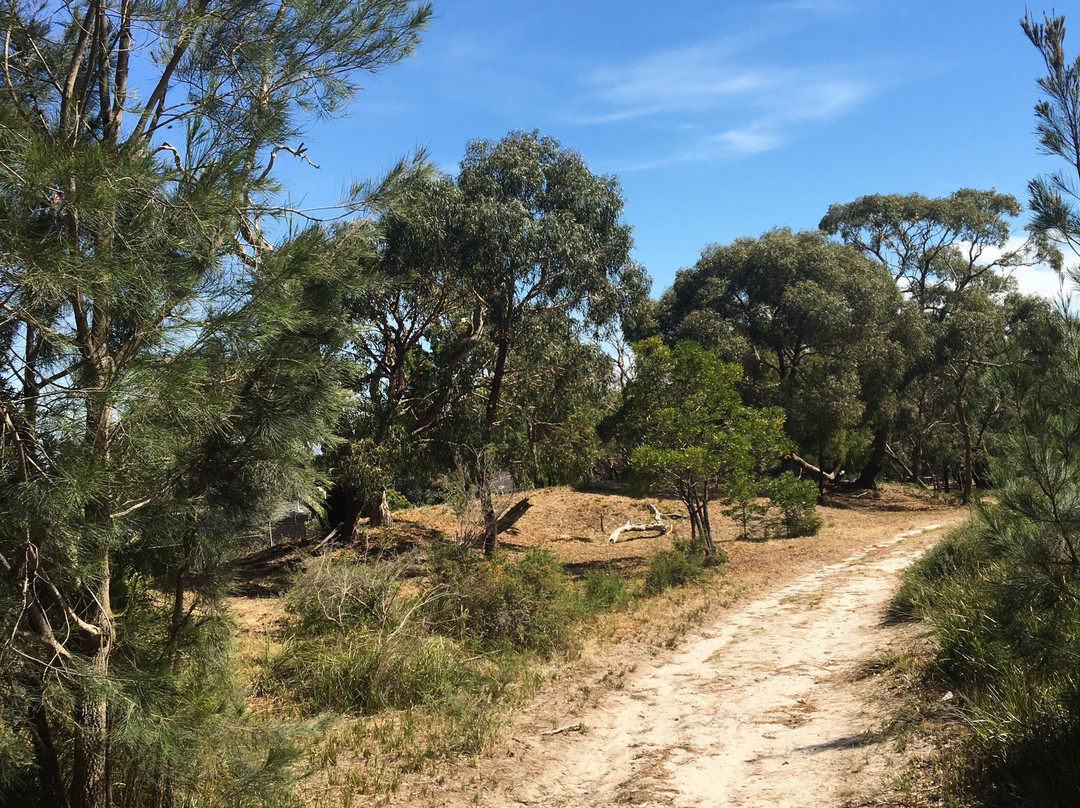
x=631, y=527
x=808, y=466
x=327, y=540
x=578, y=727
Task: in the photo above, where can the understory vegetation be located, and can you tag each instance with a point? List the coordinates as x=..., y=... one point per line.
x=1002, y=593
x=430, y=654
x=184, y=357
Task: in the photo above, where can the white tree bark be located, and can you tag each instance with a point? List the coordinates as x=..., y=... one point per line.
x=632, y=527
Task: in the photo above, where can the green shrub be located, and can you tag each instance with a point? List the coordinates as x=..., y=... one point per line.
x=367, y=672
x=529, y=604
x=797, y=501
x=605, y=590
x=960, y=553
x=339, y=596
x=397, y=500
x=680, y=565
x=356, y=642
x=1008, y=634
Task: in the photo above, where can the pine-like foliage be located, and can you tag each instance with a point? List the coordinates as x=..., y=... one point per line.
x=167, y=372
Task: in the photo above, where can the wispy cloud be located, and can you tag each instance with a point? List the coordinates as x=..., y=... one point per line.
x=748, y=140
x=719, y=99
x=691, y=79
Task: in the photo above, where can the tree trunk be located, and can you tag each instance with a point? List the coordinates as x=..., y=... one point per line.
x=50, y=778
x=378, y=511
x=90, y=783
x=508, y=519
x=967, y=473
x=870, y=472
x=706, y=527
x=821, y=475
x=491, y=525
x=710, y=547
x=344, y=509
x=491, y=412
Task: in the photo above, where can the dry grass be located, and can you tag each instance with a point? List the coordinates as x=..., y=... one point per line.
x=574, y=526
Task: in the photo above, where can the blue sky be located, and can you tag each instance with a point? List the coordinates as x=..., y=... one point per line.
x=722, y=118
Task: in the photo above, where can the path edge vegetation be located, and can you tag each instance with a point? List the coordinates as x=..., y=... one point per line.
x=998, y=594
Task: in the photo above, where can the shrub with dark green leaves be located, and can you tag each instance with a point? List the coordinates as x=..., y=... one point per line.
x=681, y=565
x=605, y=590
x=527, y=604
x=797, y=501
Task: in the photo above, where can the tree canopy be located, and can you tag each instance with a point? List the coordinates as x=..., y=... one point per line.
x=168, y=373
x=815, y=325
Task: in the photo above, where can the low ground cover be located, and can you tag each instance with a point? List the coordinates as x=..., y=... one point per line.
x=412, y=652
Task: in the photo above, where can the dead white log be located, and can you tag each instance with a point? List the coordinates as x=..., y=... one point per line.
x=578, y=727
x=833, y=477
x=632, y=527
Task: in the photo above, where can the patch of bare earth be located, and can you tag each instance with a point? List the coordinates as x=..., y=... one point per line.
x=691, y=701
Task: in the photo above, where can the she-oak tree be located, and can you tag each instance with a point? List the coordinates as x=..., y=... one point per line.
x=156, y=350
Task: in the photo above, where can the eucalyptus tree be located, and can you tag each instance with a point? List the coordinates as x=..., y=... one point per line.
x=541, y=232
x=940, y=252
x=157, y=350
x=815, y=325
x=560, y=385
x=415, y=319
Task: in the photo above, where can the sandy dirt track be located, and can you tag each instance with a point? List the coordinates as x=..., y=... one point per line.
x=762, y=707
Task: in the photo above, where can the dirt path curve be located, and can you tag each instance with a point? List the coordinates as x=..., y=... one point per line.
x=761, y=708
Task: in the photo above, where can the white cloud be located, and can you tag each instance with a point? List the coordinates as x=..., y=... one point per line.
x=715, y=100
x=689, y=79
x=1039, y=280
x=748, y=140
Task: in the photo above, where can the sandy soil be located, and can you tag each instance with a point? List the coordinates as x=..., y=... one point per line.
x=764, y=705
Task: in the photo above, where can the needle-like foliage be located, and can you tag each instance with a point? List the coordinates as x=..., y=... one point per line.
x=167, y=371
